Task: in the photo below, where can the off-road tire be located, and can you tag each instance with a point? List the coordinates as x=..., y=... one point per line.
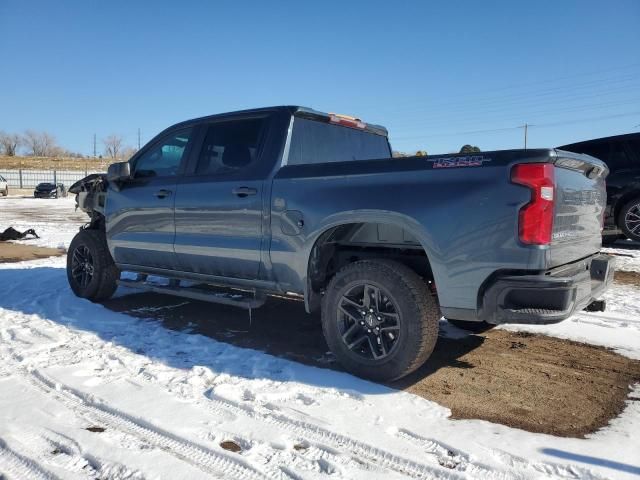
x=416, y=306
x=102, y=284
x=622, y=219
x=475, y=327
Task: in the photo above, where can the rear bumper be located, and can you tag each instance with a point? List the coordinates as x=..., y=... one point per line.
x=549, y=297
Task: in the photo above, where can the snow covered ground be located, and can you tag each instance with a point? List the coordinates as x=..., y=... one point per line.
x=168, y=399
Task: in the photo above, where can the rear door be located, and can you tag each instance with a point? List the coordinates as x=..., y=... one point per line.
x=219, y=203
x=140, y=215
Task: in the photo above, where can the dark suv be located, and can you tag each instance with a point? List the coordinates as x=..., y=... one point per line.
x=621, y=153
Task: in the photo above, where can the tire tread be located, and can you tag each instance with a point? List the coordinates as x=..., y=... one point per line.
x=426, y=304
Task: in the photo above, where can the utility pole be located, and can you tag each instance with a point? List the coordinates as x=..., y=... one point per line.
x=138, y=138
x=526, y=127
x=94, y=145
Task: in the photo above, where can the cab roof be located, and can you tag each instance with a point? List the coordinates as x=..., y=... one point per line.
x=295, y=110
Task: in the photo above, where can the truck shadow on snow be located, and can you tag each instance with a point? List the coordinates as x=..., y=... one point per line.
x=179, y=332
x=281, y=328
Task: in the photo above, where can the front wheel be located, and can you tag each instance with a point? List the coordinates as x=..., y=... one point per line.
x=91, y=272
x=379, y=319
x=6, y=192
x=629, y=219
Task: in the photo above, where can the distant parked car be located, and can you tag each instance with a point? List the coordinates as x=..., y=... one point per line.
x=50, y=190
x=4, y=186
x=621, y=153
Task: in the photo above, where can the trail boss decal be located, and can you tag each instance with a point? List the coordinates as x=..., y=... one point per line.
x=448, y=162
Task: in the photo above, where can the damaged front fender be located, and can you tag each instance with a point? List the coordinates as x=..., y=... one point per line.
x=91, y=193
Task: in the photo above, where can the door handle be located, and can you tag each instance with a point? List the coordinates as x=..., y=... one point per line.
x=163, y=193
x=244, y=191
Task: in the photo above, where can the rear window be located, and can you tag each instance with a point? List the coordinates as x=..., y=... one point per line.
x=318, y=142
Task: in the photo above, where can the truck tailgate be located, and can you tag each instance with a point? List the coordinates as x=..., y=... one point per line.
x=579, y=206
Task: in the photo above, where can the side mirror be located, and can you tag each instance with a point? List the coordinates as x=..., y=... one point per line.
x=118, y=172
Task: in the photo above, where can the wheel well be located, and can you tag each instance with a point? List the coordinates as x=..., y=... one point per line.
x=97, y=222
x=348, y=243
x=622, y=201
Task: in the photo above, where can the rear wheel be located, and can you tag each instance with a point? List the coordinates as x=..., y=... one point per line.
x=90, y=269
x=475, y=327
x=379, y=319
x=6, y=191
x=629, y=219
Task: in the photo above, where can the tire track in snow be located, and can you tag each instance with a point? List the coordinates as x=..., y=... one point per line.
x=341, y=442
x=203, y=458
x=66, y=454
x=362, y=452
x=17, y=467
x=307, y=431
x=461, y=462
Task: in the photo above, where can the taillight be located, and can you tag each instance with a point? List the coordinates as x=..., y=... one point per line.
x=347, y=121
x=536, y=217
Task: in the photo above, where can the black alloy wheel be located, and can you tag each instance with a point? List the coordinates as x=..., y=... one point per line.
x=82, y=266
x=629, y=219
x=368, y=321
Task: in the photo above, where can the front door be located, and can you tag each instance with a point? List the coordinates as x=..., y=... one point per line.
x=140, y=214
x=219, y=202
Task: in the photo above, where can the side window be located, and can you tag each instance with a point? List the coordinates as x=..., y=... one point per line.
x=230, y=146
x=163, y=159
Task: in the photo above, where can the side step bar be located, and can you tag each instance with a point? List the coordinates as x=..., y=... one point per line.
x=174, y=288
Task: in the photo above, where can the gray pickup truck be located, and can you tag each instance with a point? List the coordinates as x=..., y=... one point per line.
x=311, y=206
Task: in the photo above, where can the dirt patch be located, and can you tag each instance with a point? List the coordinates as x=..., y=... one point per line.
x=231, y=446
x=627, y=278
x=534, y=382
x=528, y=381
x=95, y=429
x=17, y=252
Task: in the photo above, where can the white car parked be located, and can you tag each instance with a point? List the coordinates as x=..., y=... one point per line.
x=4, y=186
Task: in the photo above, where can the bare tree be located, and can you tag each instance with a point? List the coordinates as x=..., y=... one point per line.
x=113, y=145
x=128, y=152
x=40, y=144
x=9, y=143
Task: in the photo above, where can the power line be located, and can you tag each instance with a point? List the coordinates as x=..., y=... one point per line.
x=493, y=130
x=519, y=85
x=569, y=92
x=568, y=100
x=482, y=115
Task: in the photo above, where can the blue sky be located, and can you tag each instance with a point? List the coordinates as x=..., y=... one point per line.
x=436, y=74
